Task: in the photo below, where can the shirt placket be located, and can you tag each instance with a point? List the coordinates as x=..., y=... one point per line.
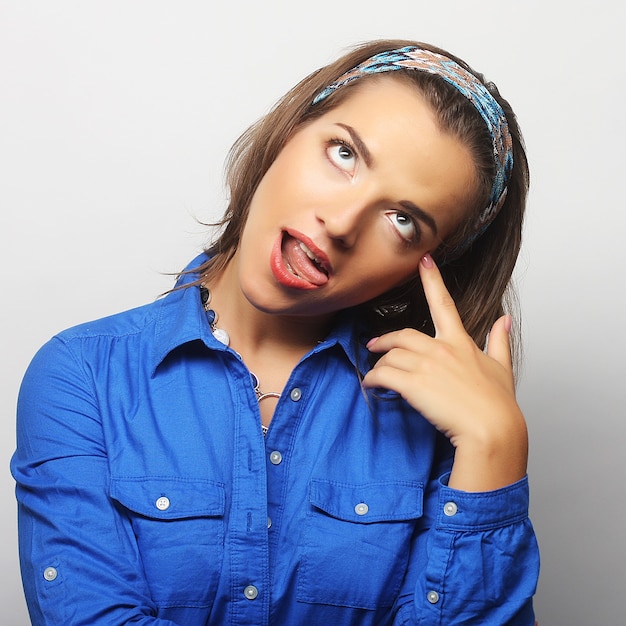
x=248, y=533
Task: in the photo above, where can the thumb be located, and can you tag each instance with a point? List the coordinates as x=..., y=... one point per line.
x=499, y=343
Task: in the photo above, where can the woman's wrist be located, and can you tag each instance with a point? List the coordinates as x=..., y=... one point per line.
x=493, y=459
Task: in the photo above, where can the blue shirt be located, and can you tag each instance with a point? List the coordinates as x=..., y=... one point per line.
x=149, y=495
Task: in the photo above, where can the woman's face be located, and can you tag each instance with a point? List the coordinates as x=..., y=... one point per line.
x=352, y=202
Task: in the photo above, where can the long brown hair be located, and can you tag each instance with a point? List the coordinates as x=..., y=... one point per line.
x=480, y=279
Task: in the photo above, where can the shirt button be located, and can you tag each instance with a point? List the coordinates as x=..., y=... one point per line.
x=296, y=394
x=269, y=522
x=276, y=458
x=432, y=597
x=251, y=592
x=450, y=509
x=50, y=573
x=163, y=503
x=361, y=508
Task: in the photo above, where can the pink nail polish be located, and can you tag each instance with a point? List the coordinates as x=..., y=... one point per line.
x=371, y=342
x=508, y=323
x=427, y=261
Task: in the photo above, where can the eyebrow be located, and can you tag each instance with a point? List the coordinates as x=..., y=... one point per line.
x=420, y=214
x=359, y=143
x=367, y=157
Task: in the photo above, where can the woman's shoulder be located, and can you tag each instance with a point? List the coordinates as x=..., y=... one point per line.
x=123, y=323
x=134, y=320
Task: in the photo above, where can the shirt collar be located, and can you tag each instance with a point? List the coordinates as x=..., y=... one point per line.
x=180, y=316
x=345, y=334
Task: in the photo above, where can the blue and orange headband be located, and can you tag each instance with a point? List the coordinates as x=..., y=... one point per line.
x=415, y=58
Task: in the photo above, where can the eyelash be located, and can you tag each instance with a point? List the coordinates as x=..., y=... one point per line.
x=338, y=141
x=417, y=235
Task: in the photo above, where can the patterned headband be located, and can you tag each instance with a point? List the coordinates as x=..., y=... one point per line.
x=414, y=58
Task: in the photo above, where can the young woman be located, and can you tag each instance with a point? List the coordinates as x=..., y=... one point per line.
x=311, y=427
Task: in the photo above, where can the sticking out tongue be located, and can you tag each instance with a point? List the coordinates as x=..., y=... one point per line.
x=300, y=264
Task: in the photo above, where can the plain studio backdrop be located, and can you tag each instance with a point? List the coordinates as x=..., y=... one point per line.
x=115, y=119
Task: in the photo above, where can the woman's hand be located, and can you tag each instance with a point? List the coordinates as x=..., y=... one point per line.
x=467, y=394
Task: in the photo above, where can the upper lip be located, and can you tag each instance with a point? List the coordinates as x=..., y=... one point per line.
x=321, y=258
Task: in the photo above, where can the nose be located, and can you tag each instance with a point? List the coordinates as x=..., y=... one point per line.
x=343, y=219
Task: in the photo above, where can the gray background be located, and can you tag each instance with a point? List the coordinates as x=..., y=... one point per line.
x=115, y=117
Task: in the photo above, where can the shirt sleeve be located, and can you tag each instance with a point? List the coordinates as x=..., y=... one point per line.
x=477, y=564
x=79, y=561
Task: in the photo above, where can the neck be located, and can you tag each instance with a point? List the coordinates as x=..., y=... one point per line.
x=254, y=332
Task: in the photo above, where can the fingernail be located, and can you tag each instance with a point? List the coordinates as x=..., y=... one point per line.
x=427, y=261
x=508, y=323
x=371, y=342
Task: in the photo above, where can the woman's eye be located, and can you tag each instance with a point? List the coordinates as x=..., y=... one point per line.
x=342, y=155
x=404, y=224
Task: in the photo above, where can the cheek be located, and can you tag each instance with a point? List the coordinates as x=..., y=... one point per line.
x=298, y=173
x=382, y=274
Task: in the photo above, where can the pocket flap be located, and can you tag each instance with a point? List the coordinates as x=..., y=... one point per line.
x=384, y=501
x=169, y=498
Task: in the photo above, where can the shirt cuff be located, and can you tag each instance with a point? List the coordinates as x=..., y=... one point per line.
x=468, y=511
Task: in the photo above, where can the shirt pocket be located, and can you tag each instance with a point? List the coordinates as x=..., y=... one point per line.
x=356, y=542
x=179, y=530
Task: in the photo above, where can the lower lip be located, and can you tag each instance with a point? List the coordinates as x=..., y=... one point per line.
x=282, y=274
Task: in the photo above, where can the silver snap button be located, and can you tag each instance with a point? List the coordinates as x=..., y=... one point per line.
x=269, y=522
x=251, y=592
x=361, y=508
x=163, y=503
x=50, y=573
x=433, y=597
x=450, y=508
x=295, y=394
x=276, y=458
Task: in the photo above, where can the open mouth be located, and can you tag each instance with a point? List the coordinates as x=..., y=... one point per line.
x=311, y=268
x=298, y=263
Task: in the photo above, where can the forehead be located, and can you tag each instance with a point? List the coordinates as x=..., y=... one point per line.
x=378, y=86
x=416, y=159
x=385, y=107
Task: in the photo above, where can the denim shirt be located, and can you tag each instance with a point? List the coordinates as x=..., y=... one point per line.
x=148, y=494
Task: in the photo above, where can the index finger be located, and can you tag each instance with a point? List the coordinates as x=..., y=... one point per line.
x=443, y=311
